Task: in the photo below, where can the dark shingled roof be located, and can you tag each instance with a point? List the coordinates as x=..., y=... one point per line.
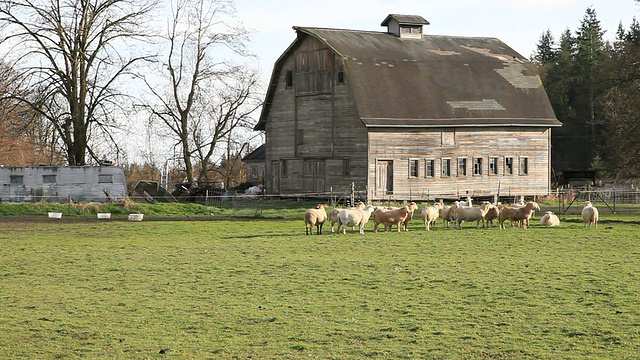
x=256, y=155
x=405, y=19
x=436, y=81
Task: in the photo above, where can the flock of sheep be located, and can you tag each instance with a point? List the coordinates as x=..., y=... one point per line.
x=459, y=212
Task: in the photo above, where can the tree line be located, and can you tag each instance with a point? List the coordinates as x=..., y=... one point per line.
x=593, y=86
x=76, y=71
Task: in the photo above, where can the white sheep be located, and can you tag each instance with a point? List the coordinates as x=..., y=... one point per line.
x=466, y=204
x=469, y=214
x=354, y=217
x=430, y=215
x=315, y=217
x=333, y=214
x=550, y=219
x=590, y=214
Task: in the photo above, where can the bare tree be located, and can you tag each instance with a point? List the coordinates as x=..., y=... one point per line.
x=209, y=96
x=25, y=138
x=70, y=53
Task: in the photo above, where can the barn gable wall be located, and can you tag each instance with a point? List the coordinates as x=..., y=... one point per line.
x=500, y=143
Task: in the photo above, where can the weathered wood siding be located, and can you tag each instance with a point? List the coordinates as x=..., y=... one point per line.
x=320, y=125
x=501, y=143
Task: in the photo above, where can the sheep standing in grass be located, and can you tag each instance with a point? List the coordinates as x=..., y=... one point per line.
x=518, y=215
x=470, y=214
x=315, y=217
x=590, y=214
x=430, y=215
x=354, y=217
x=333, y=214
x=550, y=219
x=390, y=217
x=447, y=214
x=492, y=214
x=412, y=208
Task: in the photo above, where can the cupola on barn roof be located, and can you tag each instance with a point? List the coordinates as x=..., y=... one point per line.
x=405, y=26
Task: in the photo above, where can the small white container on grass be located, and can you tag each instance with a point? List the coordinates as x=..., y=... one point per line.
x=104, y=215
x=136, y=217
x=55, y=215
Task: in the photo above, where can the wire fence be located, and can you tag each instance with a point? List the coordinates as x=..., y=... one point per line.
x=240, y=204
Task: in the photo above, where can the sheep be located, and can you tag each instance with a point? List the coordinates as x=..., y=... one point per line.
x=412, y=208
x=471, y=214
x=549, y=219
x=333, y=214
x=590, y=215
x=390, y=217
x=354, y=217
x=468, y=203
x=405, y=225
x=517, y=214
x=492, y=214
x=447, y=214
x=430, y=214
x=316, y=216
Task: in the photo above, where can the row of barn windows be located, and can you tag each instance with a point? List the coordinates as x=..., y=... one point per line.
x=314, y=168
x=52, y=179
x=462, y=166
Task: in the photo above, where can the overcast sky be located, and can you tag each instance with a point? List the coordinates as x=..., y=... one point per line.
x=518, y=23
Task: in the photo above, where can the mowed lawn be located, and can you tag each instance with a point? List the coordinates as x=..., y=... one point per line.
x=263, y=290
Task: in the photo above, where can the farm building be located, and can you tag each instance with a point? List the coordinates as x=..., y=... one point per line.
x=255, y=164
x=61, y=183
x=403, y=114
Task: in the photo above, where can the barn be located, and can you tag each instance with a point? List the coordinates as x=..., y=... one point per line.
x=403, y=114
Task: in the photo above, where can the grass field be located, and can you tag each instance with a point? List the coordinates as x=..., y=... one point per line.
x=229, y=289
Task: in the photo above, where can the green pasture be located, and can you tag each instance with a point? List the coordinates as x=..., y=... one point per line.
x=261, y=289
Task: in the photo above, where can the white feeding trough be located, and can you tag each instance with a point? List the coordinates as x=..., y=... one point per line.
x=136, y=217
x=55, y=215
x=104, y=215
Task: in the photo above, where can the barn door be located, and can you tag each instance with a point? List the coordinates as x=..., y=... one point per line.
x=384, y=177
x=275, y=178
x=314, y=175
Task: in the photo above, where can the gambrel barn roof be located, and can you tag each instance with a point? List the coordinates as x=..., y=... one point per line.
x=431, y=81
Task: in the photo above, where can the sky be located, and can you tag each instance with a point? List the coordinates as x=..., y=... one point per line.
x=518, y=23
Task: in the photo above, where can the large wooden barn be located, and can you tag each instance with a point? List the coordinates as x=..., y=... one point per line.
x=405, y=115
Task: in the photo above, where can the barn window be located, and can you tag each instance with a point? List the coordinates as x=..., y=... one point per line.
x=493, y=166
x=430, y=168
x=524, y=165
x=300, y=137
x=446, y=167
x=448, y=138
x=340, y=77
x=346, y=167
x=413, y=168
x=16, y=179
x=49, y=179
x=105, y=178
x=477, y=166
x=462, y=166
x=508, y=166
x=289, y=79
x=283, y=168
